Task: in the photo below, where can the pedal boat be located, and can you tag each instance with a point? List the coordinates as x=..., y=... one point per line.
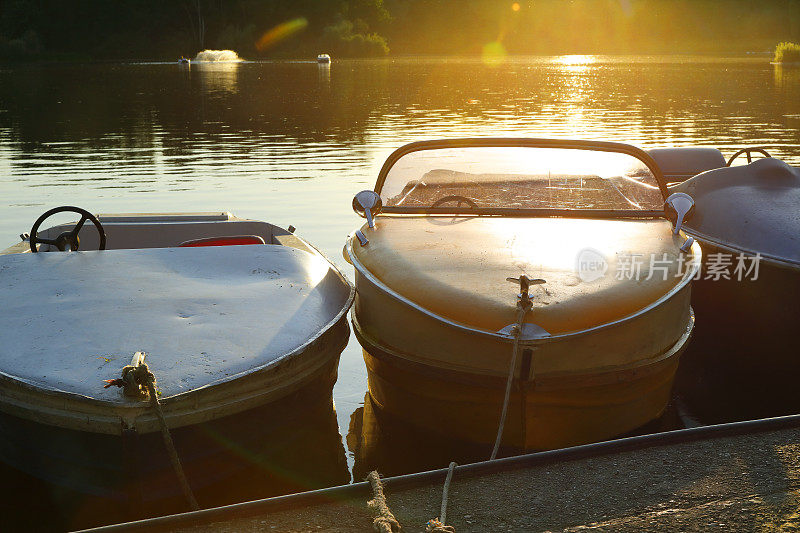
x=232, y=316
x=747, y=220
x=450, y=222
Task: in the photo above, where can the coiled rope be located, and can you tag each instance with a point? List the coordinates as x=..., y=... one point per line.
x=138, y=382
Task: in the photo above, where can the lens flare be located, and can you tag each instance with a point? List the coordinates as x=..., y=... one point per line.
x=280, y=32
x=515, y=6
x=494, y=53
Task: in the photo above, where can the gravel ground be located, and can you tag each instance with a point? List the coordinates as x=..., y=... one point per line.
x=742, y=483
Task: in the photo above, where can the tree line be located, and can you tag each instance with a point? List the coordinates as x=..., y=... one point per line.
x=167, y=29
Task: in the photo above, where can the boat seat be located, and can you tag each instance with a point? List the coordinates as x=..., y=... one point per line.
x=234, y=240
x=680, y=164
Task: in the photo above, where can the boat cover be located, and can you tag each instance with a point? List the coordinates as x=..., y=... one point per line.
x=457, y=267
x=751, y=208
x=202, y=315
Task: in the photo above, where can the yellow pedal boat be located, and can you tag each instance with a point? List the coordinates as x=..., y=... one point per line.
x=533, y=288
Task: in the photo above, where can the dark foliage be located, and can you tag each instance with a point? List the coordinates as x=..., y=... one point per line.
x=166, y=29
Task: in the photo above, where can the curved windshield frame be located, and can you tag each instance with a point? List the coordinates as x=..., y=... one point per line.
x=522, y=177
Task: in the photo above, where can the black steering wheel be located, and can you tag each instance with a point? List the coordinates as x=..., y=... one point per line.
x=68, y=238
x=454, y=198
x=749, y=153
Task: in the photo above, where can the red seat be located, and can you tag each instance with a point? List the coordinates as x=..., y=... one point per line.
x=234, y=240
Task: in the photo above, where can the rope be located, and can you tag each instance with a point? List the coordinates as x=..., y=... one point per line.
x=522, y=309
x=385, y=522
x=173, y=453
x=446, y=488
x=138, y=381
x=437, y=525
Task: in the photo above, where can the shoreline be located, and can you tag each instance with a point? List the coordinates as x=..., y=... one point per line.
x=743, y=475
x=755, y=57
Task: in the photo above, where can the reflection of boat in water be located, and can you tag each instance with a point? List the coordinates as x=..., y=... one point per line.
x=380, y=440
x=291, y=445
x=746, y=220
x=323, y=58
x=229, y=330
x=597, y=352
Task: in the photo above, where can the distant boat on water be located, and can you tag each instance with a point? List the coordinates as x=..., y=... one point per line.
x=323, y=59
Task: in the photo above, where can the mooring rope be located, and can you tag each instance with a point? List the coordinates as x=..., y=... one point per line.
x=438, y=525
x=445, y=489
x=385, y=522
x=516, y=331
x=138, y=381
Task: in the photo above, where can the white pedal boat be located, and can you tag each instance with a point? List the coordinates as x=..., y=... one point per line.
x=233, y=315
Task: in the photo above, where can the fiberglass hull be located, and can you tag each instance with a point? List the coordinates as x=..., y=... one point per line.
x=231, y=332
x=541, y=416
x=747, y=349
x=568, y=388
x=746, y=219
x=289, y=445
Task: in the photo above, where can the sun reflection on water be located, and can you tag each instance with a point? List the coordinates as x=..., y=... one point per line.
x=575, y=59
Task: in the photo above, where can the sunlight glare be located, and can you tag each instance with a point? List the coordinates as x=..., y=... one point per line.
x=575, y=59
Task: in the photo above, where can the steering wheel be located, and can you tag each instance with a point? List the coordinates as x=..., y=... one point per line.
x=454, y=198
x=749, y=152
x=68, y=238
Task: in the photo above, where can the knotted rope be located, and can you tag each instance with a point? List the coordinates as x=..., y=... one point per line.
x=132, y=381
x=385, y=522
x=138, y=382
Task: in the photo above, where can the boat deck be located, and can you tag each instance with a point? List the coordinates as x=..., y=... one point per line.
x=199, y=313
x=734, y=483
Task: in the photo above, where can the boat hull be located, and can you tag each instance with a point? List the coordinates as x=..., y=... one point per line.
x=747, y=347
x=543, y=414
x=251, y=453
x=433, y=312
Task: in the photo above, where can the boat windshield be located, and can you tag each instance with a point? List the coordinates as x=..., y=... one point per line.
x=498, y=178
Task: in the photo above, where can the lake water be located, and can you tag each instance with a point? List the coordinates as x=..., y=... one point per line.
x=292, y=142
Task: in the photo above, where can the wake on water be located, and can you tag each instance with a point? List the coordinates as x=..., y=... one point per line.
x=217, y=56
